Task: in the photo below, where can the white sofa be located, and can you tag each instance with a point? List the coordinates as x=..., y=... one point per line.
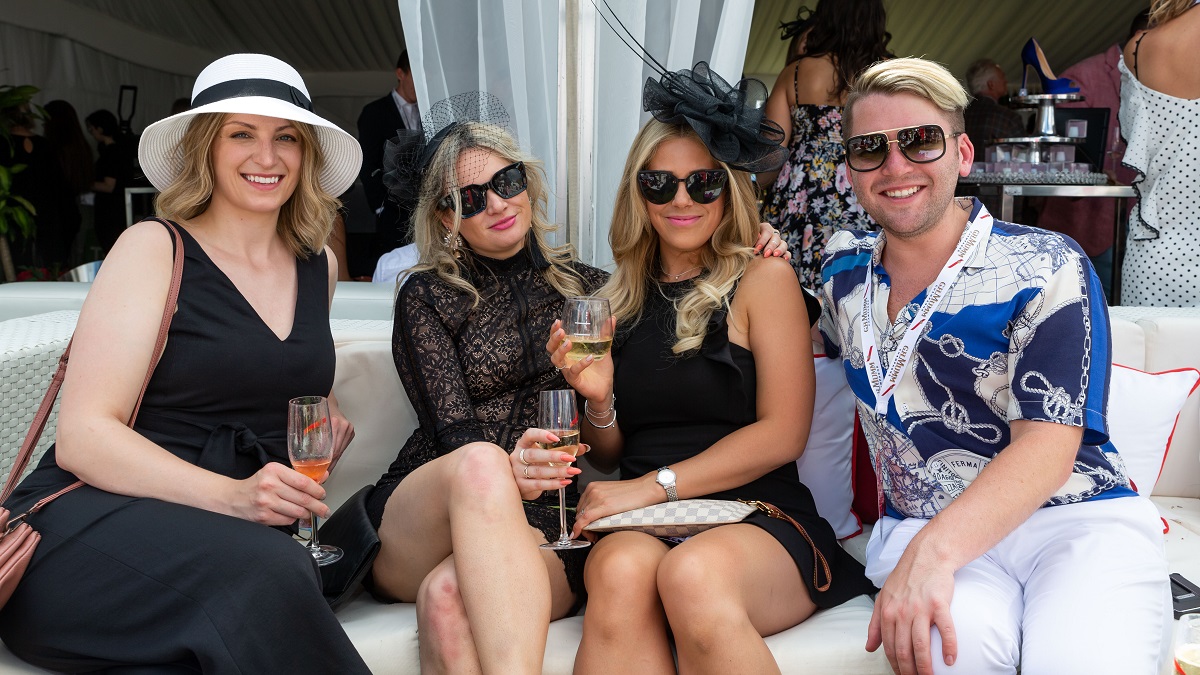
x=352, y=300
x=829, y=642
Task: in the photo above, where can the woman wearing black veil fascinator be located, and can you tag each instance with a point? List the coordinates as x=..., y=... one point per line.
x=469, y=346
x=713, y=375
x=175, y=555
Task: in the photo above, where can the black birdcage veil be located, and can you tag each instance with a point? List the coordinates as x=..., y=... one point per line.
x=451, y=152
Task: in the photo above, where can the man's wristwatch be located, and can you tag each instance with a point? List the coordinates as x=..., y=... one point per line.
x=666, y=478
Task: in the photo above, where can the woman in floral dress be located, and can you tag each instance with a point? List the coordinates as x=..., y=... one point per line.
x=811, y=197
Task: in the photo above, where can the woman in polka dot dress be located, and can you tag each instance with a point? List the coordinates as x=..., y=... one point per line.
x=1160, y=119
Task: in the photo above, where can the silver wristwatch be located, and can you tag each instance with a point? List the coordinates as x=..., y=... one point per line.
x=666, y=478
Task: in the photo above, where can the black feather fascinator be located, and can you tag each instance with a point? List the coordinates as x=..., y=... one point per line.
x=730, y=120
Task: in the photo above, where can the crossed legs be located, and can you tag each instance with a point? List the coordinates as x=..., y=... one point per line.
x=455, y=540
x=717, y=593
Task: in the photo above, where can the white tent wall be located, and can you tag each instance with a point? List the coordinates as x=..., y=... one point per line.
x=86, y=78
x=346, y=51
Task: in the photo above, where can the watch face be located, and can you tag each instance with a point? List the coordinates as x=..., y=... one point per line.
x=666, y=477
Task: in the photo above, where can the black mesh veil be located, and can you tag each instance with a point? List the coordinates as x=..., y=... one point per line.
x=470, y=121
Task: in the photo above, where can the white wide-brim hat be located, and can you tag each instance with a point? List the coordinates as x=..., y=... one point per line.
x=254, y=84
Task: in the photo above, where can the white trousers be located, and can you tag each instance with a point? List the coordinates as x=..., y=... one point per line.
x=1079, y=588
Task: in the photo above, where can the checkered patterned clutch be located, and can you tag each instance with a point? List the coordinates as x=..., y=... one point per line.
x=675, y=519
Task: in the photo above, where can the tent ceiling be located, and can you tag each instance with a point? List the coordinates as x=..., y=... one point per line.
x=360, y=36
x=312, y=35
x=957, y=32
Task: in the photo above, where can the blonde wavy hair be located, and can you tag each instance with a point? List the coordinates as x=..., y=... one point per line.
x=306, y=219
x=1162, y=11
x=635, y=244
x=430, y=234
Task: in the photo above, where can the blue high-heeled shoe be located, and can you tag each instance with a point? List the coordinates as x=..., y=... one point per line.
x=1032, y=57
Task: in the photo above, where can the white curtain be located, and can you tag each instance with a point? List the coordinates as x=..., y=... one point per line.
x=678, y=33
x=507, y=48
x=513, y=49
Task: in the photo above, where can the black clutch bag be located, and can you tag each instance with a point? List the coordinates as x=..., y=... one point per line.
x=349, y=529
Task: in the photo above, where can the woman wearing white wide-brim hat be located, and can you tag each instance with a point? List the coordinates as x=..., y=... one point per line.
x=172, y=556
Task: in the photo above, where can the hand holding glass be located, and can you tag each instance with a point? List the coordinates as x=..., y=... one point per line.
x=557, y=414
x=586, y=322
x=310, y=449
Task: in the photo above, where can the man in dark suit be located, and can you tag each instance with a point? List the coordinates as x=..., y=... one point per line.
x=378, y=122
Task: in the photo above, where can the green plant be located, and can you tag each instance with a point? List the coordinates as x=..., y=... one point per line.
x=14, y=209
x=15, y=101
x=16, y=213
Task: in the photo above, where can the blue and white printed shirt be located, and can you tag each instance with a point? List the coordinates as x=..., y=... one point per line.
x=1022, y=334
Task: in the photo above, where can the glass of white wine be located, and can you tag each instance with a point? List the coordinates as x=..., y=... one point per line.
x=586, y=322
x=1187, y=645
x=310, y=449
x=557, y=414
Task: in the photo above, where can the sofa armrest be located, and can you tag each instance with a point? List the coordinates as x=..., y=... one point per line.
x=369, y=393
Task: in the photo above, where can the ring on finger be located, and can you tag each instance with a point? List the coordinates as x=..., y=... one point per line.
x=526, y=472
x=521, y=457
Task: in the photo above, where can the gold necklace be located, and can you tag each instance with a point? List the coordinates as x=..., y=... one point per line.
x=675, y=277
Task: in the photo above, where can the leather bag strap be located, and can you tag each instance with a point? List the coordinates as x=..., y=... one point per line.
x=43, y=413
x=820, y=564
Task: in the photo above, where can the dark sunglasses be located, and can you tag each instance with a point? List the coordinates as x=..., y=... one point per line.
x=507, y=183
x=921, y=145
x=704, y=186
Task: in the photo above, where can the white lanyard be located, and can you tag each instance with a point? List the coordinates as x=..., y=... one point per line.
x=884, y=386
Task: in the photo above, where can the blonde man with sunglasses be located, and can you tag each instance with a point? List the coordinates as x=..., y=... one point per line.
x=985, y=344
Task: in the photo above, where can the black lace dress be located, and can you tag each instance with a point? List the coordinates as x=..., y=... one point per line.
x=473, y=374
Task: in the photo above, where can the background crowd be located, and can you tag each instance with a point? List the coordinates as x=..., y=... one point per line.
x=807, y=200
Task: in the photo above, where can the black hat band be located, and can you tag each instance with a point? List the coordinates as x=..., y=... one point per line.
x=252, y=87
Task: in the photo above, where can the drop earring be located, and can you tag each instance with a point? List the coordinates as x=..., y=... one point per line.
x=453, y=243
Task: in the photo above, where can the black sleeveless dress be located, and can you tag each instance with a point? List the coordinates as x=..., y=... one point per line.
x=141, y=585
x=673, y=408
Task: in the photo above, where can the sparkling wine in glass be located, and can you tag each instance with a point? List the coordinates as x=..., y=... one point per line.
x=586, y=322
x=1187, y=645
x=557, y=414
x=310, y=448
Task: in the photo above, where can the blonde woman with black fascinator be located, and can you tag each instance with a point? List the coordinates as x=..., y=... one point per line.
x=712, y=376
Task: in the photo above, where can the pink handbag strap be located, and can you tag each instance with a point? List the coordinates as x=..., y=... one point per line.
x=43, y=413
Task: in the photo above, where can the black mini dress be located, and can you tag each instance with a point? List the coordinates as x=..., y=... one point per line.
x=674, y=407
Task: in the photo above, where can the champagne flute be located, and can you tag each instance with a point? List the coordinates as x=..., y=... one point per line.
x=1187, y=645
x=557, y=414
x=586, y=322
x=310, y=449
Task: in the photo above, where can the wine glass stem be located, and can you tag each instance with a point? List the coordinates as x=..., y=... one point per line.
x=562, y=515
x=312, y=540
